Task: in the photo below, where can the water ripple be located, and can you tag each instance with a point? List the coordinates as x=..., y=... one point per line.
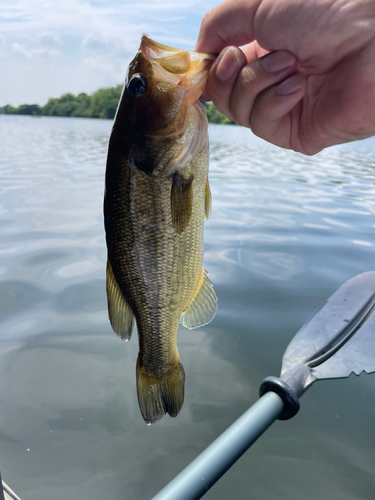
x=286, y=230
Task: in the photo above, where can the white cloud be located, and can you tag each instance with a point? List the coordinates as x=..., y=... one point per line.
x=96, y=42
x=49, y=39
x=98, y=64
x=12, y=13
x=50, y=54
x=106, y=43
x=89, y=43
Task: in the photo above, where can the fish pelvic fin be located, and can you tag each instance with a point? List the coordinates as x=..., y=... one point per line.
x=203, y=305
x=120, y=314
x=160, y=395
x=207, y=200
x=181, y=201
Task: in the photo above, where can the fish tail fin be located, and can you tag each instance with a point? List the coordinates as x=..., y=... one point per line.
x=173, y=386
x=160, y=395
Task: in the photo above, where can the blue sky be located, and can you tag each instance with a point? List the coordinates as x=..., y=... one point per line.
x=49, y=47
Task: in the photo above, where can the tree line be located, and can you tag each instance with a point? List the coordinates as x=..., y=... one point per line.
x=100, y=104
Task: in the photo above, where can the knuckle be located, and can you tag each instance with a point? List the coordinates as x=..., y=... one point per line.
x=248, y=77
x=239, y=106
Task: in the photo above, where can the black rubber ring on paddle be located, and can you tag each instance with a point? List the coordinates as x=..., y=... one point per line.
x=286, y=393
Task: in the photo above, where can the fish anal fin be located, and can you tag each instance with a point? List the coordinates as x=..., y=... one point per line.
x=120, y=314
x=181, y=201
x=207, y=200
x=158, y=395
x=203, y=305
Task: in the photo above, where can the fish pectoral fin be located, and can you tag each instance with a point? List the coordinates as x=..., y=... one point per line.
x=160, y=395
x=181, y=201
x=120, y=314
x=207, y=200
x=203, y=306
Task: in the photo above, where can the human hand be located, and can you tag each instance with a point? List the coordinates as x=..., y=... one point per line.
x=325, y=95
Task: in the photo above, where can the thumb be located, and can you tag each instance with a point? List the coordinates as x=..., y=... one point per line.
x=229, y=23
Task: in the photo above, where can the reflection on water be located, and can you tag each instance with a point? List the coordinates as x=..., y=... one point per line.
x=286, y=231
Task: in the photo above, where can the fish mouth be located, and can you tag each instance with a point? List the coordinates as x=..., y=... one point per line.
x=184, y=74
x=185, y=68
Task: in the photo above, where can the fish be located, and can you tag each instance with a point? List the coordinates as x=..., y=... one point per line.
x=157, y=195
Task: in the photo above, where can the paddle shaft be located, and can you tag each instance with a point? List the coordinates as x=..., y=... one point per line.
x=198, y=477
x=1, y=489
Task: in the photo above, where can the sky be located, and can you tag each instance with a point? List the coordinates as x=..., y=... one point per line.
x=50, y=47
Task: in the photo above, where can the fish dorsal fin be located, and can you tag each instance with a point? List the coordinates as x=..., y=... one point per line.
x=181, y=201
x=203, y=305
x=120, y=314
x=207, y=200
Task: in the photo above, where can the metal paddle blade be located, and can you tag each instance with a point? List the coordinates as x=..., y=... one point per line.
x=339, y=338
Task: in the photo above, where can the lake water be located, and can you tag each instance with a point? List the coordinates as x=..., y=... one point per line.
x=285, y=232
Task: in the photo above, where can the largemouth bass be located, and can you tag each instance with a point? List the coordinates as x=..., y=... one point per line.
x=156, y=197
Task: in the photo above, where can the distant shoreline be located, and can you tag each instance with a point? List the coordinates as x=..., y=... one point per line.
x=100, y=104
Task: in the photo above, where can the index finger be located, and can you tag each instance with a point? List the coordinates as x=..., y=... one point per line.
x=229, y=23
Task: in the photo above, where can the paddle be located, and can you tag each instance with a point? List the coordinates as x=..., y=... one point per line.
x=1, y=489
x=337, y=340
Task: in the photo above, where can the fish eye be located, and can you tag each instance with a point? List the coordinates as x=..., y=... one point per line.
x=137, y=85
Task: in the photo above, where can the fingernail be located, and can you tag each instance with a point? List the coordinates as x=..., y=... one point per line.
x=290, y=85
x=277, y=61
x=228, y=65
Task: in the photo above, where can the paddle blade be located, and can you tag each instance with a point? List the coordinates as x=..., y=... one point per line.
x=340, y=337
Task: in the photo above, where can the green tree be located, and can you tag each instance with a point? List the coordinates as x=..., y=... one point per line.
x=29, y=109
x=66, y=105
x=9, y=110
x=83, y=108
x=214, y=115
x=49, y=109
x=101, y=104
x=104, y=102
